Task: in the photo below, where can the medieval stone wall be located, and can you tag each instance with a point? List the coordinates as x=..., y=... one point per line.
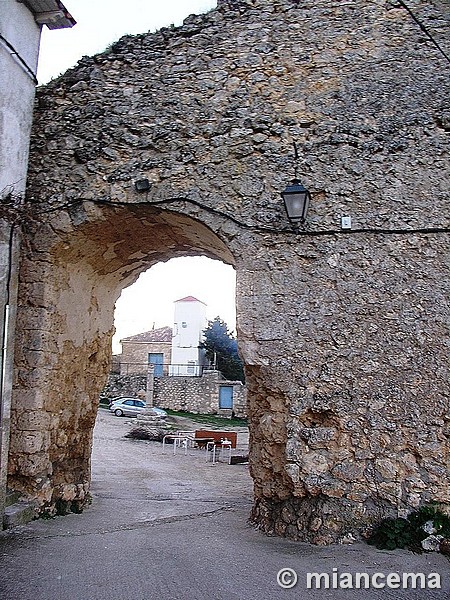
x=344, y=333
x=123, y=385
x=199, y=394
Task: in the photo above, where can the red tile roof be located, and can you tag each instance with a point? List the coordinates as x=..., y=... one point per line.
x=190, y=299
x=164, y=334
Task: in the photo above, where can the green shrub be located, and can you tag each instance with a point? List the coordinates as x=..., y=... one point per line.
x=396, y=533
x=408, y=533
x=431, y=512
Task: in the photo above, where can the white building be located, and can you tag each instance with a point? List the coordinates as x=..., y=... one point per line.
x=20, y=33
x=189, y=323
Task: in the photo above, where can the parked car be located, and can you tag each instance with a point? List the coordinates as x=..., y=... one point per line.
x=127, y=407
x=132, y=407
x=119, y=399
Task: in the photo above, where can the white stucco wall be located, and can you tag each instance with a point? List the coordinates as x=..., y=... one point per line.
x=189, y=322
x=17, y=88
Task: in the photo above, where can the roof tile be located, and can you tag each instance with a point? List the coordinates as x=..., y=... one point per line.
x=163, y=334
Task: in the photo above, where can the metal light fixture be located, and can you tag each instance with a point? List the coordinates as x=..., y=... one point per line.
x=142, y=185
x=296, y=198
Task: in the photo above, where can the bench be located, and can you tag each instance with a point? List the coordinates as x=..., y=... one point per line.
x=215, y=436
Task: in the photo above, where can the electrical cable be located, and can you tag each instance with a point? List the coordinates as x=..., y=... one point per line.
x=424, y=29
x=20, y=59
x=248, y=226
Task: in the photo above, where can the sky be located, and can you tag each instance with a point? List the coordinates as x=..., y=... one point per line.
x=102, y=22
x=149, y=302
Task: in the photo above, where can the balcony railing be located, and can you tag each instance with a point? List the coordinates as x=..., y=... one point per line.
x=160, y=370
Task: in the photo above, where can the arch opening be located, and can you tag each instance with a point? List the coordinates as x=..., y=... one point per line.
x=180, y=317
x=148, y=303
x=66, y=328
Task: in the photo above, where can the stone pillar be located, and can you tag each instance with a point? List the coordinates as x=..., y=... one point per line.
x=148, y=425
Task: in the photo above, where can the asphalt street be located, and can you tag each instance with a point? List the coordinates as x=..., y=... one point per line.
x=175, y=528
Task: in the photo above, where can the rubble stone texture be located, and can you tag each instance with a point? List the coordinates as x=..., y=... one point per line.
x=199, y=394
x=191, y=394
x=344, y=334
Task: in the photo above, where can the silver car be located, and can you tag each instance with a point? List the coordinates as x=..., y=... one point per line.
x=132, y=407
x=127, y=407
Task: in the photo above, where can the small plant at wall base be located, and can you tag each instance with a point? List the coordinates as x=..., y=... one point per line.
x=221, y=350
x=425, y=529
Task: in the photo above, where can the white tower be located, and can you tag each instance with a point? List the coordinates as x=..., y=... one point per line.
x=189, y=322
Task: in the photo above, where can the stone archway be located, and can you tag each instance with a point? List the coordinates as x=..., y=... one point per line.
x=66, y=325
x=343, y=332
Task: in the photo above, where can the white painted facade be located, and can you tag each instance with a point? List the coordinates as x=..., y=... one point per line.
x=189, y=323
x=20, y=33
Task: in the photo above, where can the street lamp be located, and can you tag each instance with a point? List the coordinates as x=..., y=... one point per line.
x=296, y=201
x=296, y=198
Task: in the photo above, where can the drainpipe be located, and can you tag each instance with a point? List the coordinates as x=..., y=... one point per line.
x=9, y=255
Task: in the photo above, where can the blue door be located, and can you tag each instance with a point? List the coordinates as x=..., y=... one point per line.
x=157, y=359
x=226, y=396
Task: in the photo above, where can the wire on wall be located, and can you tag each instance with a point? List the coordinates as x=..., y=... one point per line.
x=22, y=61
x=424, y=29
x=247, y=226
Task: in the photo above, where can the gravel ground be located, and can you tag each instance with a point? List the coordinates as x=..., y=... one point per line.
x=174, y=527
x=167, y=484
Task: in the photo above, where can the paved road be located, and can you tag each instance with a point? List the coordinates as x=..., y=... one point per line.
x=164, y=527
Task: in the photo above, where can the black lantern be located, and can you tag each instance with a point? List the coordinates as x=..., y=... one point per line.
x=296, y=197
x=142, y=185
x=296, y=201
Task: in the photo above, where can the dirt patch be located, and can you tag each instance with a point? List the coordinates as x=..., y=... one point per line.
x=154, y=483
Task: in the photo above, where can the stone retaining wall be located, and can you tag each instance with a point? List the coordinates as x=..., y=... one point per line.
x=192, y=394
x=123, y=385
x=199, y=394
